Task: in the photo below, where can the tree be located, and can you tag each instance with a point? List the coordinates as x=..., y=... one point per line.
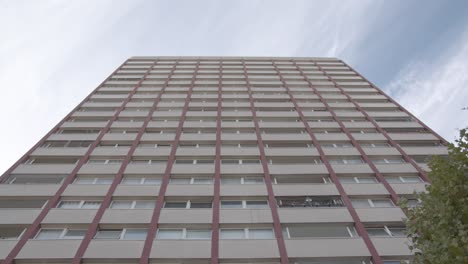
x=438, y=227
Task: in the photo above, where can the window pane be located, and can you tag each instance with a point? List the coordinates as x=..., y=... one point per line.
x=169, y=234
x=180, y=180
x=398, y=231
x=91, y=205
x=135, y=234
x=347, y=180
x=256, y=204
x=253, y=180
x=231, y=204
x=198, y=234
x=75, y=233
x=175, y=205
x=84, y=181
x=367, y=180
x=360, y=203
x=108, y=234
x=152, y=181
x=49, y=234
x=232, y=234
x=104, y=181
x=377, y=232
x=382, y=203
x=411, y=179
x=131, y=181
x=202, y=180
x=261, y=234
x=69, y=204
x=200, y=205
x=121, y=204
x=393, y=179
x=230, y=180
x=144, y=204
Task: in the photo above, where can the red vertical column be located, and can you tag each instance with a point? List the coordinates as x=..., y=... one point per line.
x=217, y=175
x=167, y=174
x=357, y=221
x=34, y=227
x=271, y=196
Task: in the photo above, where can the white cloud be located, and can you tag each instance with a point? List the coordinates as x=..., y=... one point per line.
x=437, y=91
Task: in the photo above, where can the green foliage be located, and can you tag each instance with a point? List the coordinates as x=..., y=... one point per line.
x=439, y=227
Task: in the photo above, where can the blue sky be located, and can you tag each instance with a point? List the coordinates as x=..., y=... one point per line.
x=53, y=53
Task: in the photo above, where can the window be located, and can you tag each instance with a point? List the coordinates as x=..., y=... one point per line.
x=375, y=145
x=357, y=179
x=346, y=161
x=336, y=145
x=139, y=204
x=235, y=161
x=309, y=201
x=79, y=204
x=319, y=230
x=242, y=180
x=104, y=161
x=94, y=180
x=388, y=161
x=244, y=204
x=246, y=233
x=203, y=161
x=11, y=232
x=194, y=180
x=386, y=231
x=183, y=233
x=188, y=204
x=141, y=181
x=122, y=234
x=403, y=179
x=374, y=202
x=61, y=233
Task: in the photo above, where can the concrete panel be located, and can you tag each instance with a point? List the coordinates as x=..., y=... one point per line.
x=28, y=189
x=66, y=137
x=242, y=169
x=193, y=169
x=81, y=124
x=59, y=152
x=315, y=215
x=127, y=216
x=381, y=151
x=297, y=169
x=365, y=189
x=233, y=151
x=351, y=168
x=425, y=150
x=137, y=190
x=70, y=216
x=392, y=246
x=304, y=189
x=110, y=151
x=108, y=249
x=86, y=189
x=394, y=214
x=248, y=216
x=341, y=152
x=198, y=137
x=326, y=247
x=192, y=151
x=44, y=169
x=49, y=249
x=99, y=168
x=181, y=249
x=408, y=188
x=119, y=137
x=18, y=216
x=160, y=151
x=291, y=152
x=245, y=249
x=145, y=168
x=5, y=247
x=186, y=216
x=412, y=136
x=238, y=137
x=243, y=190
x=189, y=190
x=396, y=168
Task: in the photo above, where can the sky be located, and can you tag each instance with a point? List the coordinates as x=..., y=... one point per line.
x=54, y=53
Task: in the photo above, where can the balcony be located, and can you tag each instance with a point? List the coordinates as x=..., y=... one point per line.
x=32, y=190
x=49, y=250
x=70, y=216
x=18, y=216
x=127, y=216
x=365, y=189
x=248, y=249
x=245, y=216
x=114, y=249
x=304, y=189
x=181, y=249
x=326, y=247
x=240, y=190
x=393, y=214
x=186, y=216
x=314, y=215
x=392, y=246
x=44, y=169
